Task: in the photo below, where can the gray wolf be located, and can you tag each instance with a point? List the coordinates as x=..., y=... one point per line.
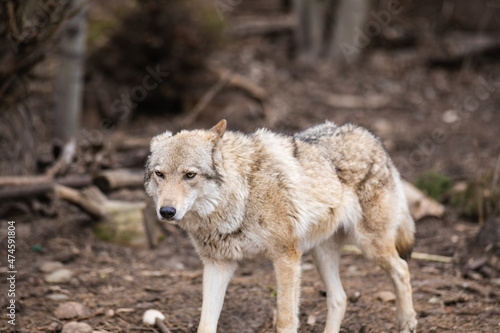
x=242, y=195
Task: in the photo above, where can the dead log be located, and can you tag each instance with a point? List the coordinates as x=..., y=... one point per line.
x=113, y=179
x=458, y=47
x=58, y=167
x=24, y=180
x=421, y=205
x=117, y=221
x=89, y=202
x=124, y=143
x=346, y=101
x=36, y=186
x=130, y=159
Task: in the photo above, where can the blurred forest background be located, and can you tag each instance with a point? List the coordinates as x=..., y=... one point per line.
x=84, y=85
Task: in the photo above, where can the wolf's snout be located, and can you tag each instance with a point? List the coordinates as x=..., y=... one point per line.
x=167, y=212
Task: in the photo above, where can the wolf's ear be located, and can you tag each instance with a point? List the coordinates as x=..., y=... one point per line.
x=219, y=129
x=217, y=132
x=160, y=137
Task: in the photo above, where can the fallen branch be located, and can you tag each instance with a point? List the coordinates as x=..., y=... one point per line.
x=127, y=142
x=59, y=166
x=226, y=77
x=23, y=180
x=40, y=185
x=113, y=179
x=117, y=221
x=240, y=81
x=89, y=203
x=459, y=47
x=161, y=326
x=131, y=159
x=414, y=255
x=421, y=205
x=64, y=160
x=346, y=101
x=431, y=257
x=207, y=98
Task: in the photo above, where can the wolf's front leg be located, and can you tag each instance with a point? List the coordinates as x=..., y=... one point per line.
x=287, y=270
x=216, y=276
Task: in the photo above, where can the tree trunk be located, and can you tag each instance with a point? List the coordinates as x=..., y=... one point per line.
x=69, y=82
x=311, y=15
x=348, y=38
x=341, y=36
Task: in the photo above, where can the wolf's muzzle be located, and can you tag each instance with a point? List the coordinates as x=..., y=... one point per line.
x=167, y=212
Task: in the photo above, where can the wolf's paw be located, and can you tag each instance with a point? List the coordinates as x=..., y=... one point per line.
x=409, y=327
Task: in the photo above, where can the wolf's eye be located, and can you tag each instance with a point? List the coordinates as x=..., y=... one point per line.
x=190, y=175
x=159, y=174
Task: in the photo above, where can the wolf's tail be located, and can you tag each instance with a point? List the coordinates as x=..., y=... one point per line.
x=405, y=237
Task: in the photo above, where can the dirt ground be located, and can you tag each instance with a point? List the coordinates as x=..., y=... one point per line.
x=129, y=281
x=425, y=117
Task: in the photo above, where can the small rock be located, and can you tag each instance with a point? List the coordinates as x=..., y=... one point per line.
x=353, y=271
x=50, y=266
x=74, y=282
x=487, y=271
x=70, y=310
x=62, y=275
x=149, y=317
x=495, y=282
x=450, y=116
x=476, y=264
x=54, y=326
x=110, y=313
x=311, y=320
x=57, y=297
x=435, y=299
x=354, y=297
x=385, y=296
x=473, y=276
x=76, y=327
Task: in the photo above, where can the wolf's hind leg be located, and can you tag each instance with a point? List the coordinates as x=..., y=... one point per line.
x=381, y=248
x=327, y=256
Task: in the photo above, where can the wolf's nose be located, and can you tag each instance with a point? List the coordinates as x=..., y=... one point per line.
x=167, y=212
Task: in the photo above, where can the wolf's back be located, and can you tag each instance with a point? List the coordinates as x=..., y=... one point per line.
x=317, y=132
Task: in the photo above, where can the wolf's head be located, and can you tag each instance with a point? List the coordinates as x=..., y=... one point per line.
x=184, y=172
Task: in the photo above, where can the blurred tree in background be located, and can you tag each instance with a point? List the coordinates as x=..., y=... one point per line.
x=28, y=34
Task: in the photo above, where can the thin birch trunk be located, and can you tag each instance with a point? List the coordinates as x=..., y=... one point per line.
x=69, y=81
